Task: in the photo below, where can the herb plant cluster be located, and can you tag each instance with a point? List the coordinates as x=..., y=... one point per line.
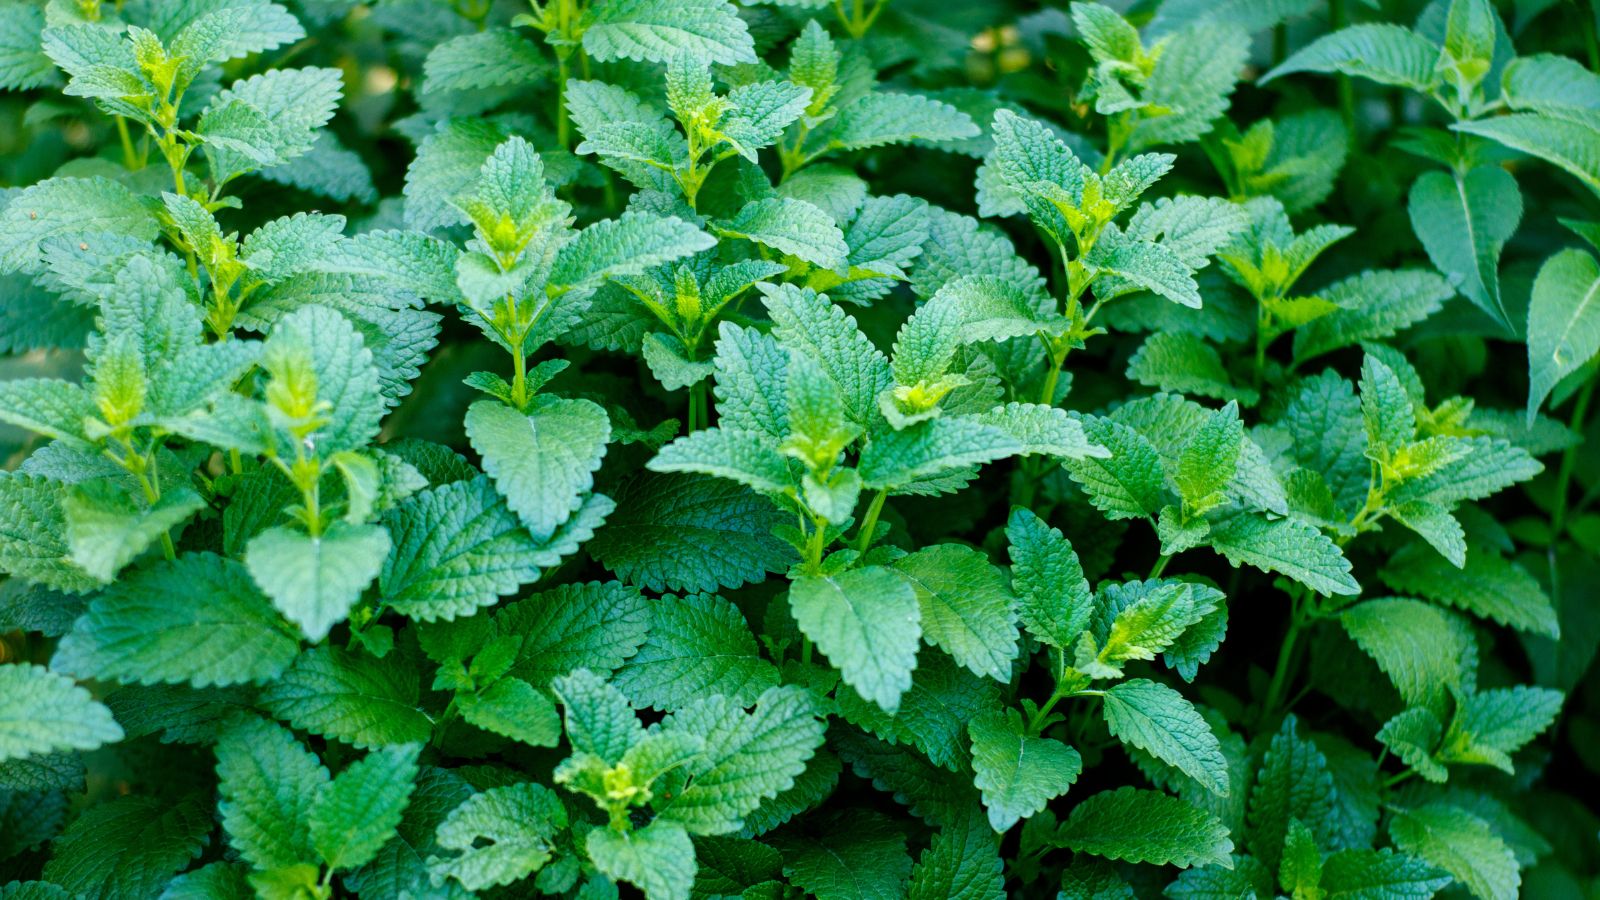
x=849, y=449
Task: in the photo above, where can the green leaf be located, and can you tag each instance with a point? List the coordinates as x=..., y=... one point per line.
x=933, y=714
x=627, y=245
x=1160, y=721
x=599, y=718
x=962, y=862
x=691, y=533
x=1287, y=546
x=128, y=848
x=1387, y=54
x=658, y=31
x=1018, y=772
x=504, y=834
x=107, y=526
x=867, y=622
x=1209, y=460
x=1292, y=784
x=1463, y=220
x=807, y=322
x=860, y=856
x=1462, y=844
x=1128, y=484
x=1491, y=725
x=199, y=619
x=1415, y=644
x=1567, y=145
x=1358, y=874
x=1413, y=735
x=22, y=64
x=269, y=784
x=70, y=208
x=877, y=119
x=1175, y=361
x=748, y=757
x=49, y=406
x=658, y=859
x=968, y=610
x=315, y=580
x=1145, y=827
x=343, y=374
x=790, y=226
x=1148, y=265
x=1054, y=598
x=698, y=646
x=43, y=712
x=543, y=461
x=447, y=165
x=1563, y=322
x=512, y=708
x=350, y=696
x=1371, y=306
x=575, y=626
x=744, y=456
x=355, y=815
x=1487, y=585
x=268, y=119
x=456, y=548
x=484, y=59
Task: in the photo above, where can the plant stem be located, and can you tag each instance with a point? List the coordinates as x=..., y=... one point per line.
x=1569, y=461
x=1347, y=91
x=1159, y=567
x=870, y=523
x=1280, y=674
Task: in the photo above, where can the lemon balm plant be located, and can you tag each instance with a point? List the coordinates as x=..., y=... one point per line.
x=702, y=449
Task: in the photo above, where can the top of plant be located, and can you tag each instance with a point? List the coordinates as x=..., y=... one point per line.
x=790, y=448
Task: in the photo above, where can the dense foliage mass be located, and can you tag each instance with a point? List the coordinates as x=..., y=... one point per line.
x=790, y=448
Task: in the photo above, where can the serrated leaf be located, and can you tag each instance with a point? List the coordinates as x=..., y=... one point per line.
x=651, y=31
x=129, y=847
x=698, y=646
x=314, y=580
x=199, y=619
x=355, y=815
x=542, y=461
x=1486, y=585
x=1160, y=721
x=1413, y=643
x=269, y=783
x=484, y=59
x=1017, y=772
x=1565, y=144
x=691, y=533
x=456, y=548
x=69, y=208
x=658, y=859
x=1387, y=54
x=748, y=757
x=877, y=119
x=790, y=226
x=42, y=712
x=504, y=834
x=867, y=622
x=1145, y=826
x=513, y=708
x=857, y=857
x=968, y=610
x=351, y=696
x=576, y=626
x=1563, y=322
x=1462, y=844
x=1287, y=546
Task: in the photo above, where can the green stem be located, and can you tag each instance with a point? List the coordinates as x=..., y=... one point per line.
x=563, y=124
x=1159, y=567
x=130, y=159
x=697, y=402
x=818, y=543
x=519, y=376
x=870, y=524
x=1393, y=780
x=1347, y=91
x=1280, y=674
x=1569, y=461
x=1044, y=711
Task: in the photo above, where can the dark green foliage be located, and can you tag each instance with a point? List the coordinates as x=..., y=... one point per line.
x=790, y=448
